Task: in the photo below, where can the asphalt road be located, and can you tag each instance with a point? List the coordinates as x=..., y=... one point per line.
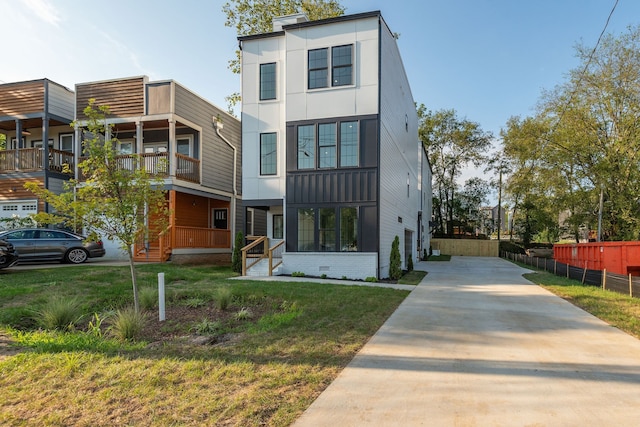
x=477, y=345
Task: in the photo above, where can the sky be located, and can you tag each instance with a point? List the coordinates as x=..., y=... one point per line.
x=486, y=59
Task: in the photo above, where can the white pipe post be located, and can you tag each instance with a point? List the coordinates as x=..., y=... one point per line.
x=161, y=296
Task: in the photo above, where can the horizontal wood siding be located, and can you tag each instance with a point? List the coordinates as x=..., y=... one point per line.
x=217, y=156
x=125, y=97
x=188, y=215
x=22, y=98
x=61, y=101
x=13, y=188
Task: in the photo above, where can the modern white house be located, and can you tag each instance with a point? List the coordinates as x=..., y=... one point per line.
x=332, y=163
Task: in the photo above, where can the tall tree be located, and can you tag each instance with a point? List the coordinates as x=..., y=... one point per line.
x=256, y=16
x=120, y=200
x=452, y=144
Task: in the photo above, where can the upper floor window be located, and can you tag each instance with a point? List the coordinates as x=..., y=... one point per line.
x=306, y=147
x=340, y=63
x=268, y=154
x=66, y=142
x=268, y=81
x=336, y=144
x=184, y=144
x=318, y=68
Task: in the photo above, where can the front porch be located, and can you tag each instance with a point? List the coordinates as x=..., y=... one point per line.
x=197, y=225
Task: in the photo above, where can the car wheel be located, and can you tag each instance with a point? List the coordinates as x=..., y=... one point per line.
x=76, y=256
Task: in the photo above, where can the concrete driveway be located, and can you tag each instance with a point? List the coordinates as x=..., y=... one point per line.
x=477, y=345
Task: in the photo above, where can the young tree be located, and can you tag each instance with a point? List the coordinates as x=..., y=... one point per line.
x=256, y=16
x=122, y=203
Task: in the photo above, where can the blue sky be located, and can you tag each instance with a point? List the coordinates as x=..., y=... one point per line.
x=487, y=59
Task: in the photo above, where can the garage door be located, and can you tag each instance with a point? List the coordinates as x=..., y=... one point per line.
x=21, y=208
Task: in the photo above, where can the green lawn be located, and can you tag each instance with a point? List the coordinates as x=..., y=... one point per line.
x=262, y=368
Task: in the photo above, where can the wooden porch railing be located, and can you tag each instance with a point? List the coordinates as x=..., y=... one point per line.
x=30, y=159
x=176, y=237
x=267, y=253
x=187, y=168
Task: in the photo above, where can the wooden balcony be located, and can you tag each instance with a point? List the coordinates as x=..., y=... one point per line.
x=30, y=160
x=157, y=164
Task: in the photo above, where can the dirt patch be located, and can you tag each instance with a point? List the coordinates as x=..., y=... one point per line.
x=6, y=346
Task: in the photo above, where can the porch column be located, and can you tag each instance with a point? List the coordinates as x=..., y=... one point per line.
x=77, y=149
x=45, y=148
x=139, y=141
x=16, y=163
x=172, y=148
x=172, y=217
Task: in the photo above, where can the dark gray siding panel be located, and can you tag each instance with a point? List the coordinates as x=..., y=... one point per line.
x=217, y=156
x=369, y=143
x=334, y=186
x=368, y=234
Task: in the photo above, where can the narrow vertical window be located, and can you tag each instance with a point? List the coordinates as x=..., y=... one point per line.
x=267, y=81
x=327, y=145
x=348, y=144
x=268, y=154
x=306, y=229
x=349, y=229
x=327, y=230
x=318, y=66
x=278, y=227
x=341, y=66
x=306, y=147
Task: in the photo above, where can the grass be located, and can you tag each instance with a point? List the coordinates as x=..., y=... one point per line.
x=621, y=311
x=413, y=277
x=440, y=257
x=267, y=372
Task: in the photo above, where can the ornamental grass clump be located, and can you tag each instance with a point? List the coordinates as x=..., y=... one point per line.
x=60, y=313
x=127, y=324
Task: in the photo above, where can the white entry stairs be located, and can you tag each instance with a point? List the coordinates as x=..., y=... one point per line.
x=261, y=269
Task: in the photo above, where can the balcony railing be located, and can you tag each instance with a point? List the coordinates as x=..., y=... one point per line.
x=157, y=164
x=30, y=160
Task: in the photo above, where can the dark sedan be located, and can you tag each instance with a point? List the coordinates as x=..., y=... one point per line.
x=42, y=244
x=8, y=254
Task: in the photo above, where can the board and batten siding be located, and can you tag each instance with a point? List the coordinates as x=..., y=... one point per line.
x=399, y=161
x=125, y=97
x=217, y=156
x=23, y=98
x=60, y=101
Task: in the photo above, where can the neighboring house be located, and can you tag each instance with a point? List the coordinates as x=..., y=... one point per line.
x=37, y=110
x=332, y=161
x=196, y=148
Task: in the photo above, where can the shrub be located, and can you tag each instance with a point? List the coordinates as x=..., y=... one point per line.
x=224, y=296
x=410, y=264
x=59, y=313
x=323, y=276
x=127, y=324
x=371, y=279
x=243, y=314
x=297, y=274
x=236, y=258
x=394, y=260
x=207, y=327
x=148, y=298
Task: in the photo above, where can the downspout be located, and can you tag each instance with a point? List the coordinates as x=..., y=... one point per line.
x=217, y=123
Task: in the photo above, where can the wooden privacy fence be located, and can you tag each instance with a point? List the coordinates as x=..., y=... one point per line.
x=466, y=247
x=628, y=285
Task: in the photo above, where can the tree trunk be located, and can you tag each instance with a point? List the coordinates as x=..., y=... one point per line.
x=136, y=303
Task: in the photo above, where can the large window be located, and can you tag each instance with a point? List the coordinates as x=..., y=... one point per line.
x=349, y=229
x=318, y=68
x=306, y=230
x=306, y=147
x=348, y=144
x=336, y=145
x=327, y=145
x=327, y=231
x=267, y=81
x=341, y=63
x=268, y=154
